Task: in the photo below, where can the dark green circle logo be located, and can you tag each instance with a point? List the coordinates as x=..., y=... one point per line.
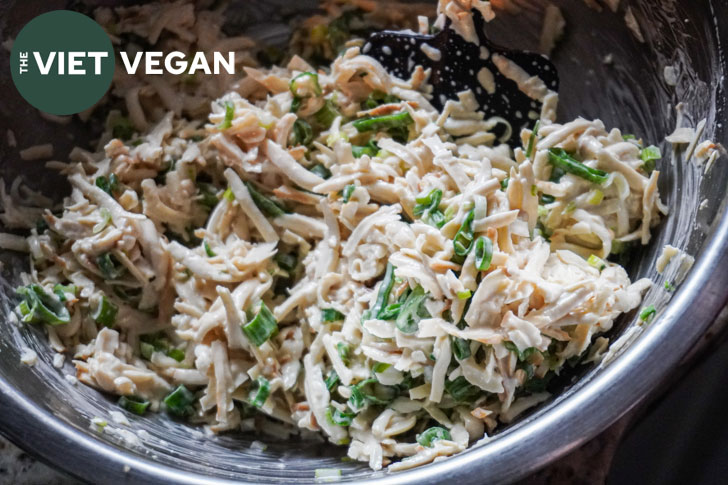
x=62, y=62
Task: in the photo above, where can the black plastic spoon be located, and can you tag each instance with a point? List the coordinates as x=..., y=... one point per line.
x=456, y=69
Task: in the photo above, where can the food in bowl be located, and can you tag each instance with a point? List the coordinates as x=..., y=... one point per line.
x=321, y=246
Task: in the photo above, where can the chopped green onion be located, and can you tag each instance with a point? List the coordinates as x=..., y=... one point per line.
x=262, y=327
x=296, y=104
x=522, y=356
x=534, y=190
x=378, y=98
x=347, y=192
x=331, y=380
x=390, y=312
x=344, y=352
x=483, y=253
x=229, y=115
x=559, y=158
x=134, y=404
x=463, y=241
x=109, y=266
x=260, y=392
x=40, y=307
x=331, y=315
x=397, y=122
x=411, y=312
x=628, y=137
x=207, y=195
x=327, y=114
x=361, y=394
x=464, y=295
x=504, y=183
x=669, y=286
x=176, y=354
x=383, y=296
x=370, y=149
x=62, y=290
x=570, y=207
x=547, y=199
x=296, y=85
x=146, y=350
x=108, y=185
x=648, y=313
x=228, y=195
x=380, y=367
x=321, y=171
x=210, y=253
x=595, y=197
x=461, y=348
x=105, y=313
x=532, y=139
x=431, y=435
x=338, y=417
x=461, y=390
x=180, y=402
x=105, y=219
x=596, y=262
x=123, y=129
x=428, y=207
x=302, y=132
x=287, y=261
x=649, y=155
x=266, y=205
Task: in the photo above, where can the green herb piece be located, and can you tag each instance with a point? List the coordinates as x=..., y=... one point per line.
x=390, y=312
x=532, y=139
x=461, y=390
x=134, y=404
x=464, y=295
x=105, y=313
x=504, y=183
x=228, y=195
x=262, y=327
x=628, y=137
x=176, y=354
x=369, y=391
x=105, y=219
x=180, y=402
x=321, y=171
x=347, y=192
x=62, y=290
x=328, y=474
x=331, y=315
x=296, y=104
x=396, y=124
x=344, y=352
x=383, y=296
x=287, y=261
x=411, y=312
x=463, y=241
x=123, y=129
x=327, y=114
x=461, y=348
x=266, y=205
x=302, y=132
x=108, y=185
x=547, y=199
x=648, y=313
x=299, y=89
x=380, y=367
x=146, y=350
x=331, y=380
x=259, y=392
x=428, y=208
x=483, y=253
x=378, y=98
x=596, y=197
x=596, y=262
x=38, y=306
x=371, y=149
x=109, y=266
x=558, y=157
x=669, y=286
x=429, y=436
x=208, y=250
x=338, y=417
x=649, y=156
x=229, y=115
x=522, y=356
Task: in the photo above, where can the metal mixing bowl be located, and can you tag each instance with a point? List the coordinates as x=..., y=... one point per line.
x=49, y=417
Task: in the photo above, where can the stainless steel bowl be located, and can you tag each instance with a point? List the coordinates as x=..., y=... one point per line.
x=50, y=418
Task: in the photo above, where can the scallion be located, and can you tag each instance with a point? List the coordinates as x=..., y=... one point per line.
x=463, y=241
x=464, y=295
x=483, y=253
x=262, y=327
x=40, y=307
x=62, y=290
x=558, y=157
x=331, y=380
x=428, y=208
x=180, y=402
x=460, y=348
x=339, y=418
x=123, y=129
x=287, y=261
x=108, y=185
x=648, y=313
x=344, y=351
x=266, y=205
x=321, y=171
x=383, y=296
x=461, y=390
x=411, y=312
x=106, y=312
x=259, y=392
x=347, y=192
x=176, y=354
x=302, y=132
x=208, y=250
x=331, y=315
x=327, y=114
x=105, y=219
x=134, y=404
x=430, y=435
x=371, y=149
x=649, y=156
x=532, y=139
x=299, y=88
x=596, y=262
x=229, y=115
x=396, y=124
x=109, y=266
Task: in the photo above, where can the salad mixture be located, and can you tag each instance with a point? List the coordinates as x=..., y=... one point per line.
x=318, y=245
